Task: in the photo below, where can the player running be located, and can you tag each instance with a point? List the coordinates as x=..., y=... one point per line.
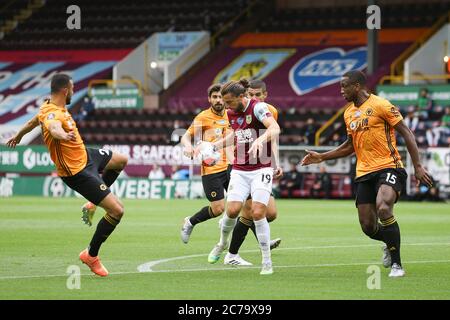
x=78, y=166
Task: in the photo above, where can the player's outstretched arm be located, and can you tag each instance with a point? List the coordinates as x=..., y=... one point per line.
x=57, y=132
x=421, y=174
x=343, y=150
x=30, y=125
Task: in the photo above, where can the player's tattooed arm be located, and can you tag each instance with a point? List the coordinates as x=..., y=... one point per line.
x=57, y=132
x=343, y=150
x=421, y=174
x=30, y=125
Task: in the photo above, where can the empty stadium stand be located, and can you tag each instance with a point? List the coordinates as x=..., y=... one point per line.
x=115, y=23
x=354, y=17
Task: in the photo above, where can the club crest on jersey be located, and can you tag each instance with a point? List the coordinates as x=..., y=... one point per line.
x=325, y=67
x=369, y=112
x=248, y=119
x=240, y=121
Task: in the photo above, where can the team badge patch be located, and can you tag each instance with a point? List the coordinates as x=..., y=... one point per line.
x=103, y=187
x=248, y=119
x=325, y=67
x=51, y=116
x=369, y=112
x=213, y=194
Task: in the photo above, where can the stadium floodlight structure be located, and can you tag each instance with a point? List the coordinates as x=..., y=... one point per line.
x=163, y=58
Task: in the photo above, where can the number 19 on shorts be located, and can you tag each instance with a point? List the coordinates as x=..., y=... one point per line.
x=266, y=178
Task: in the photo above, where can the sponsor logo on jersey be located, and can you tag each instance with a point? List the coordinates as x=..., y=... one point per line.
x=221, y=122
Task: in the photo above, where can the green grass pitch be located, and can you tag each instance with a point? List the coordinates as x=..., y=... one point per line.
x=323, y=254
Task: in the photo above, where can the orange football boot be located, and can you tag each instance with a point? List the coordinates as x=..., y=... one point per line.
x=93, y=263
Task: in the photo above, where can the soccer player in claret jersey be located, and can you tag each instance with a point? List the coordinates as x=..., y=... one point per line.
x=77, y=165
x=209, y=125
x=253, y=128
x=258, y=91
x=380, y=175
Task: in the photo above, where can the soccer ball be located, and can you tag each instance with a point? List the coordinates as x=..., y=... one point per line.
x=208, y=154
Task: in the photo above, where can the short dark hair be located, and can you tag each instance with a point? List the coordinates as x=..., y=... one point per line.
x=235, y=87
x=258, y=84
x=59, y=81
x=214, y=88
x=356, y=76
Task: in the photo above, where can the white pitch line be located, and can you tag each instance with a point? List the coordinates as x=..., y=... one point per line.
x=295, y=266
x=146, y=267
x=235, y=268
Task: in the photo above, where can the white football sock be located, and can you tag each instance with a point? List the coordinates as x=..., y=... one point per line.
x=263, y=233
x=226, y=227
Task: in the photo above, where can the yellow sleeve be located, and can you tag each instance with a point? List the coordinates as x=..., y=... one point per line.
x=50, y=117
x=273, y=111
x=390, y=113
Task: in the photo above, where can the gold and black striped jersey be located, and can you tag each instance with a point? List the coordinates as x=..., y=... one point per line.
x=371, y=127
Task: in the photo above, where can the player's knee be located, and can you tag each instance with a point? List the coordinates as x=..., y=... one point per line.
x=116, y=211
x=258, y=213
x=271, y=216
x=217, y=209
x=383, y=210
x=123, y=161
x=367, y=227
x=233, y=211
x=247, y=212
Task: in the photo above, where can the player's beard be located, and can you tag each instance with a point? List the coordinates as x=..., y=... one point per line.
x=218, y=107
x=240, y=107
x=68, y=99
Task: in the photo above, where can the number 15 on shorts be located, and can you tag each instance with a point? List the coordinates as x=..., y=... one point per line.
x=391, y=178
